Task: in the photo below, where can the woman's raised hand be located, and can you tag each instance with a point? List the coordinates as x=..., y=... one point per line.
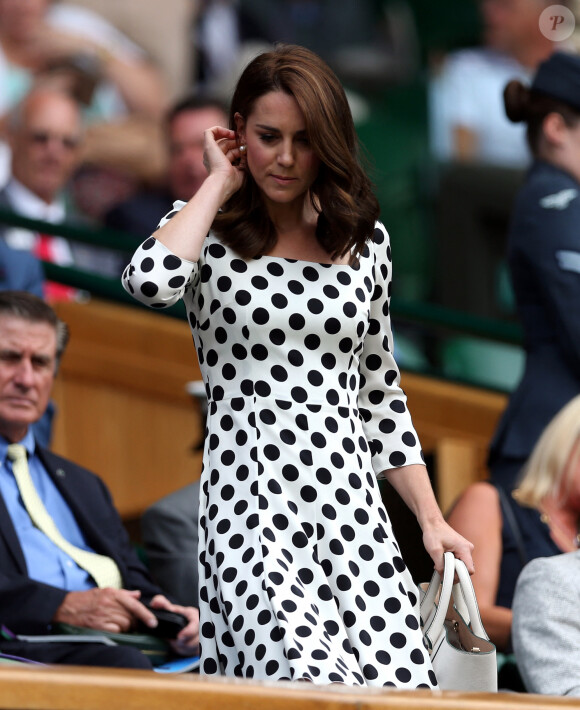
x=222, y=157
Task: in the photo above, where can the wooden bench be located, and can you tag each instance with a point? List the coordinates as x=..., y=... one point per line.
x=124, y=411
x=68, y=688
x=455, y=423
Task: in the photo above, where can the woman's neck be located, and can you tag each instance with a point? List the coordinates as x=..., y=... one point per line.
x=296, y=231
x=293, y=216
x=563, y=523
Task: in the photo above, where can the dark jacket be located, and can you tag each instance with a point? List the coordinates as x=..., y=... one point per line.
x=28, y=606
x=544, y=262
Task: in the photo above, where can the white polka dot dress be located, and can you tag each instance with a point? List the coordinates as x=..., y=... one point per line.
x=300, y=575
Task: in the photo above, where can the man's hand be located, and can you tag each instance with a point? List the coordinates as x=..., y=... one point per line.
x=107, y=609
x=187, y=641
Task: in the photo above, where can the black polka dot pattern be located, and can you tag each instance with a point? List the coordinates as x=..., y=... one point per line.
x=300, y=575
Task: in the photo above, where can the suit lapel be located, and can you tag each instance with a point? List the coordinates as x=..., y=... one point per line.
x=70, y=485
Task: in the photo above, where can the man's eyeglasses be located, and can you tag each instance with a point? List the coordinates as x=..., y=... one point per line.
x=45, y=137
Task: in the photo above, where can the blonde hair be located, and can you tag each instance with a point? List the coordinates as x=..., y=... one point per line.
x=549, y=470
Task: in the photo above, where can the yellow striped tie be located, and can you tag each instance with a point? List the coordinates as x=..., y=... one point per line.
x=101, y=568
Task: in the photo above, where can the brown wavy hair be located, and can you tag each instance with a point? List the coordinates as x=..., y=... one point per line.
x=342, y=193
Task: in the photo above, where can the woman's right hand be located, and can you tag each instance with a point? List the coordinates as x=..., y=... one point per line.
x=222, y=157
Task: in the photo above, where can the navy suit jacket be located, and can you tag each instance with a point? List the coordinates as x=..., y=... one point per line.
x=28, y=606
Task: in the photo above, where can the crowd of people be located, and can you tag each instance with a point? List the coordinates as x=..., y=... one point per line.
x=251, y=206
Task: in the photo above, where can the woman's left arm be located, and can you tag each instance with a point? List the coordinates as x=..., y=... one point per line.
x=413, y=485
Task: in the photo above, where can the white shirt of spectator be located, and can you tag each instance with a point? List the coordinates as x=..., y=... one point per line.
x=29, y=205
x=468, y=91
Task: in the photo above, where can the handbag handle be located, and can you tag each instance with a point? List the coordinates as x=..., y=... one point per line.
x=463, y=595
x=428, y=610
x=468, y=594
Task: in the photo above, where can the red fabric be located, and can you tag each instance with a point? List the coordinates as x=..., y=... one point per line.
x=53, y=291
x=43, y=248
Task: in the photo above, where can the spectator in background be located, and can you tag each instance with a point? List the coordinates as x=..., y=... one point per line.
x=468, y=121
x=482, y=155
x=110, y=74
x=184, y=127
x=45, y=133
x=546, y=630
x=170, y=538
x=544, y=257
x=539, y=519
x=20, y=271
x=46, y=575
x=546, y=627
x=120, y=91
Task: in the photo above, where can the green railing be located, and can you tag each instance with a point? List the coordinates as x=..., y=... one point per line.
x=100, y=286
x=432, y=318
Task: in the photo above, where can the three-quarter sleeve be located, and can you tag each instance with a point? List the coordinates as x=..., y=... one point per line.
x=156, y=276
x=382, y=403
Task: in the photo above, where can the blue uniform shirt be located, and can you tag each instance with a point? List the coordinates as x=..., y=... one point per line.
x=45, y=561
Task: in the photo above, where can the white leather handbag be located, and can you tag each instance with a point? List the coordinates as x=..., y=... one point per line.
x=462, y=655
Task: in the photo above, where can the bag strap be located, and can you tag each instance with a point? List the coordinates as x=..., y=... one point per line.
x=468, y=594
x=434, y=623
x=464, y=597
x=510, y=518
x=428, y=598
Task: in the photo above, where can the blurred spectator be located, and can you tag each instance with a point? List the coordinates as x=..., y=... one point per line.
x=119, y=89
x=369, y=44
x=540, y=519
x=482, y=155
x=20, y=271
x=45, y=133
x=170, y=538
x=468, y=121
x=185, y=124
x=81, y=52
x=163, y=28
x=217, y=41
x=544, y=259
x=546, y=628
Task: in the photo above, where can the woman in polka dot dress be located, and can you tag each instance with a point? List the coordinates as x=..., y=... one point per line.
x=287, y=291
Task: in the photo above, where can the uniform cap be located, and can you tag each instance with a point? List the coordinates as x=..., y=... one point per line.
x=559, y=77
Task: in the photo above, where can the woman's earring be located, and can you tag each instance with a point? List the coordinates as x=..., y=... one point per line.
x=243, y=148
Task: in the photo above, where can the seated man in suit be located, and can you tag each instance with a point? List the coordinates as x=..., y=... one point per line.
x=169, y=529
x=21, y=271
x=64, y=554
x=546, y=624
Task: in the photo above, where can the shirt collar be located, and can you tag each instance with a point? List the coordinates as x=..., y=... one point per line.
x=28, y=443
x=26, y=202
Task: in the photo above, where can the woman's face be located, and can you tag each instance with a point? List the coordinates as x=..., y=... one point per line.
x=570, y=489
x=560, y=144
x=279, y=155
x=573, y=150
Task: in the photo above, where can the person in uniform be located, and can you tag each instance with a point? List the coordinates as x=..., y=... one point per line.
x=544, y=260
